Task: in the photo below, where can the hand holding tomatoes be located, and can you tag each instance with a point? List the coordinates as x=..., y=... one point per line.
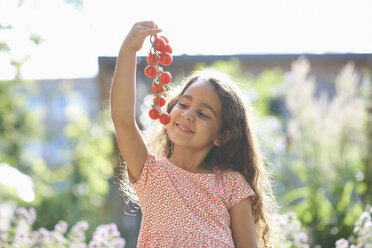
x=137, y=35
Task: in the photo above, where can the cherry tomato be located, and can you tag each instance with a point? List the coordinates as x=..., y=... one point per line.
x=166, y=59
x=168, y=49
x=159, y=44
x=165, y=118
x=151, y=71
x=157, y=88
x=159, y=103
x=154, y=113
x=165, y=78
x=164, y=38
x=151, y=59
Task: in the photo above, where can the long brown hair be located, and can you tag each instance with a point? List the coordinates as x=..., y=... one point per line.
x=242, y=153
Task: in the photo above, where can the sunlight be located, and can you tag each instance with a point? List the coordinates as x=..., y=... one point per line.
x=75, y=38
x=11, y=177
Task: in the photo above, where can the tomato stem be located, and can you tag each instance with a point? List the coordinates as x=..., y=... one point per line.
x=157, y=76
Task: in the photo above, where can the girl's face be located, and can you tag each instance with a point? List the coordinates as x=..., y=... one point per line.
x=196, y=117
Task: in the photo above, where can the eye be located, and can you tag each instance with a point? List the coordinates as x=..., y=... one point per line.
x=182, y=105
x=203, y=115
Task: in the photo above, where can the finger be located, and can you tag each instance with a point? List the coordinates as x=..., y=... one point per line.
x=154, y=31
x=150, y=24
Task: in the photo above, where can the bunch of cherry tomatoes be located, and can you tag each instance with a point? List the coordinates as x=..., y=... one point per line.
x=160, y=53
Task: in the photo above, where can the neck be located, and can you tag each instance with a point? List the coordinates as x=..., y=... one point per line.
x=189, y=160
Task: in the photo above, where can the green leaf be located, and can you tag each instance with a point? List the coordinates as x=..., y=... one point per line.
x=36, y=39
x=5, y=27
x=361, y=188
x=233, y=67
x=200, y=66
x=346, y=195
x=4, y=47
x=295, y=194
x=353, y=214
x=325, y=208
x=299, y=168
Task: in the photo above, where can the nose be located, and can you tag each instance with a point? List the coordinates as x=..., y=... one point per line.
x=188, y=114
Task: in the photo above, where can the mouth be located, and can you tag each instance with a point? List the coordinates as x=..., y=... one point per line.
x=184, y=128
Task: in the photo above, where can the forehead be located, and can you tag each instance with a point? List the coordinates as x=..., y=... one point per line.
x=204, y=92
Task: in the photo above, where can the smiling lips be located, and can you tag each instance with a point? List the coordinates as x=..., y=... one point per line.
x=184, y=128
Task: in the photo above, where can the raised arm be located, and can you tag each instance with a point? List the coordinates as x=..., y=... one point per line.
x=123, y=98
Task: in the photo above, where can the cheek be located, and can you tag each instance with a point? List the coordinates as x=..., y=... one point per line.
x=172, y=115
x=174, y=112
x=207, y=126
x=213, y=128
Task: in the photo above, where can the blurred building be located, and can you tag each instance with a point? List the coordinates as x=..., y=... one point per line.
x=324, y=66
x=55, y=97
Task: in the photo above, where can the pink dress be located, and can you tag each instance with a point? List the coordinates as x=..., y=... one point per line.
x=184, y=209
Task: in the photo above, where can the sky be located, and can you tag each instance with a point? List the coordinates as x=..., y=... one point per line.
x=75, y=37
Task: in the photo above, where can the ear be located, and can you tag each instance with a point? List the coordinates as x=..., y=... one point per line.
x=223, y=138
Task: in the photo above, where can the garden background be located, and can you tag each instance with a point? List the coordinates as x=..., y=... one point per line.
x=59, y=163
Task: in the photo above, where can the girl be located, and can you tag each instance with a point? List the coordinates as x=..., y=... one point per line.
x=203, y=183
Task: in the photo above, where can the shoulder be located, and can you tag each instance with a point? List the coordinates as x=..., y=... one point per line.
x=152, y=159
x=155, y=160
x=149, y=168
x=231, y=177
x=236, y=187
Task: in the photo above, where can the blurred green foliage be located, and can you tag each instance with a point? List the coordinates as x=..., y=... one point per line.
x=73, y=191
x=327, y=144
x=17, y=125
x=78, y=190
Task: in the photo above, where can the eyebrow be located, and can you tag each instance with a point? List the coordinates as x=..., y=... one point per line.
x=206, y=105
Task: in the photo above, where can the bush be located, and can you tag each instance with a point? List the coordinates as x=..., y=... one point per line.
x=288, y=232
x=362, y=233
x=21, y=234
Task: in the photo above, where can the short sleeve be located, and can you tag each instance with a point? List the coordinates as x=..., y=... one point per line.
x=146, y=172
x=239, y=188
